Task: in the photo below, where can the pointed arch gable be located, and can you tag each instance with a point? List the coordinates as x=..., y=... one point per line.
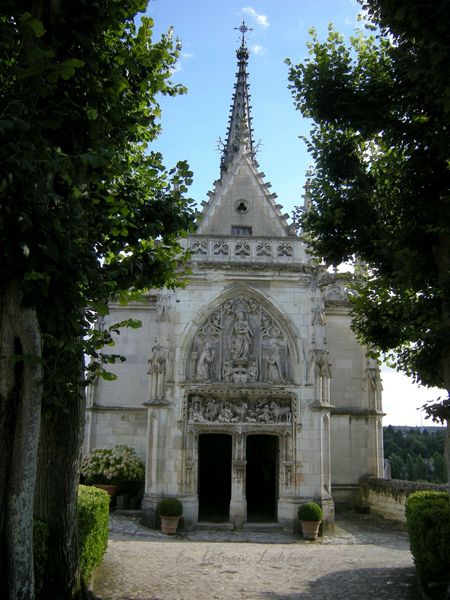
x=241, y=337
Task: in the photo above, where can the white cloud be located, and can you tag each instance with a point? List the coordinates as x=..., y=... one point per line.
x=261, y=19
x=180, y=62
x=402, y=399
x=258, y=49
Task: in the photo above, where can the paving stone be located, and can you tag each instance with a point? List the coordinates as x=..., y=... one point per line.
x=365, y=558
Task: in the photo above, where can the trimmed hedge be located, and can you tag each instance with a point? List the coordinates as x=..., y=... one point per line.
x=428, y=523
x=93, y=524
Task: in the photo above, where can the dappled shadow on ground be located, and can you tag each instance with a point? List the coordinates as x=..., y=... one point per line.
x=356, y=584
x=351, y=528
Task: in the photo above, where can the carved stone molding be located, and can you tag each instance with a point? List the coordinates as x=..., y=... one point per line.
x=251, y=266
x=210, y=409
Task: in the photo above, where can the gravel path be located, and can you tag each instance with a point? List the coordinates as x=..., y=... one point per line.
x=365, y=558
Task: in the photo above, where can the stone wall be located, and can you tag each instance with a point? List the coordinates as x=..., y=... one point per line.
x=387, y=497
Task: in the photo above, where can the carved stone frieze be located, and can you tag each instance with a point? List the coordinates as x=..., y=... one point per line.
x=263, y=249
x=221, y=247
x=284, y=249
x=209, y=409
x=269, y=266
x=199, y=247
x=240, y=343
x=242, y=248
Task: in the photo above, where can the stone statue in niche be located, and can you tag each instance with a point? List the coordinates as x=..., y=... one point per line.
x=205, y=361
x=163, y=307
x=157, y=365
x=242, y=337
x=273, y=362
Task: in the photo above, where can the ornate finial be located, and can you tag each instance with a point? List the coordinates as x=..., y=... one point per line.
x=243, y=29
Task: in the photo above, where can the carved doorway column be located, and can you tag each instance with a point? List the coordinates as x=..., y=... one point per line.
x=238, y=504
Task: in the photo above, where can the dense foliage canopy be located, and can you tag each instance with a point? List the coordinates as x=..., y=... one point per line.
x=380, y=185
x=88, y=213
x=416, y=453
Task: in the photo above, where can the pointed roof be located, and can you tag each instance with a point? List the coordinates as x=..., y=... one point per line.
x=239, y=129
x=241, y=203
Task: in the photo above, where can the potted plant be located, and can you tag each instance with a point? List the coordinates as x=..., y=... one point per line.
x=169, y=510
x=310, y=515
x=112, y=468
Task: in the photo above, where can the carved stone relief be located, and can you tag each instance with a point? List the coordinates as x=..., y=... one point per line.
x=242, y=248
x=209, y=410
x=221, y=247
x=263, y=249
x=284, y=249
x=240, y=343
x=199, y=247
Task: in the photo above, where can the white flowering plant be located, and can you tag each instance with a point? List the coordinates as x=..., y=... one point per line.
x=117, y=466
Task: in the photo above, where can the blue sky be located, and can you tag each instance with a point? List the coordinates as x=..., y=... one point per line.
x=193, y=123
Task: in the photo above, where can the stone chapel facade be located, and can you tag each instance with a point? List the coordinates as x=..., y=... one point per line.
x=246, y=392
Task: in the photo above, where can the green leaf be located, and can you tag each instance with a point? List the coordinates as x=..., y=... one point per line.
x=68, y=67
x=37, y=27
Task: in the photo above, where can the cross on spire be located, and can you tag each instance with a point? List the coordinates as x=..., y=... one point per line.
x=243, y=29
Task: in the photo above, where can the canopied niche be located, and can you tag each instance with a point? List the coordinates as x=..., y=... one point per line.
x=240, y=343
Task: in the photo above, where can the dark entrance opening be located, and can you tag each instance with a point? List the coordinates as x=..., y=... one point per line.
x=261, y=479
x=214, y=477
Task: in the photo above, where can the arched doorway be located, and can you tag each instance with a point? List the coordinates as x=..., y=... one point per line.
x=214, y=477
x=262, y=478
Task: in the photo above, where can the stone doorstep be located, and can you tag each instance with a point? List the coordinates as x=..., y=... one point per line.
x=262, y=527
x=255, y=527
x=211, y=526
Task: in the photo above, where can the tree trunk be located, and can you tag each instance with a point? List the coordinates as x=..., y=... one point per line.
x=57, y=492
x=20, y=409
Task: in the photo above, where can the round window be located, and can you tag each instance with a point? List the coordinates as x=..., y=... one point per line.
x=242, y=207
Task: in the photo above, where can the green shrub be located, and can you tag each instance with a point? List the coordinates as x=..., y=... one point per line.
x=428, y=523
x=310, y=511
x=93, y=522
x=40, y=552
x=169, y=507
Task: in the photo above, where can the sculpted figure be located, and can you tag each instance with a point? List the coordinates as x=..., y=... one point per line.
x=157, y=364
x=273, y=362
x=204, y=362
x=242, y=336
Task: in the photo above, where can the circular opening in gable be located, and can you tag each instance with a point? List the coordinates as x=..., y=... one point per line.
x=242, y=207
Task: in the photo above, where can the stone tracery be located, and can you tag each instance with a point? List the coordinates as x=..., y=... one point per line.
x=240, y=343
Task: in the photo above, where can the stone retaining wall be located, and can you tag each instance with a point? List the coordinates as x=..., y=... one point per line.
x=387, y=497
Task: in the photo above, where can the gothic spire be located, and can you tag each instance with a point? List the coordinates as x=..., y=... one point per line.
x=240, y=133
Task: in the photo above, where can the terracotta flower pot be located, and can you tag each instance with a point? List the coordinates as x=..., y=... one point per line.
x=112, y=490
x=310, y=529
x=169, y=525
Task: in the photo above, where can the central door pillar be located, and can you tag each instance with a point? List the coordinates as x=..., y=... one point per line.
x=238, y=503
